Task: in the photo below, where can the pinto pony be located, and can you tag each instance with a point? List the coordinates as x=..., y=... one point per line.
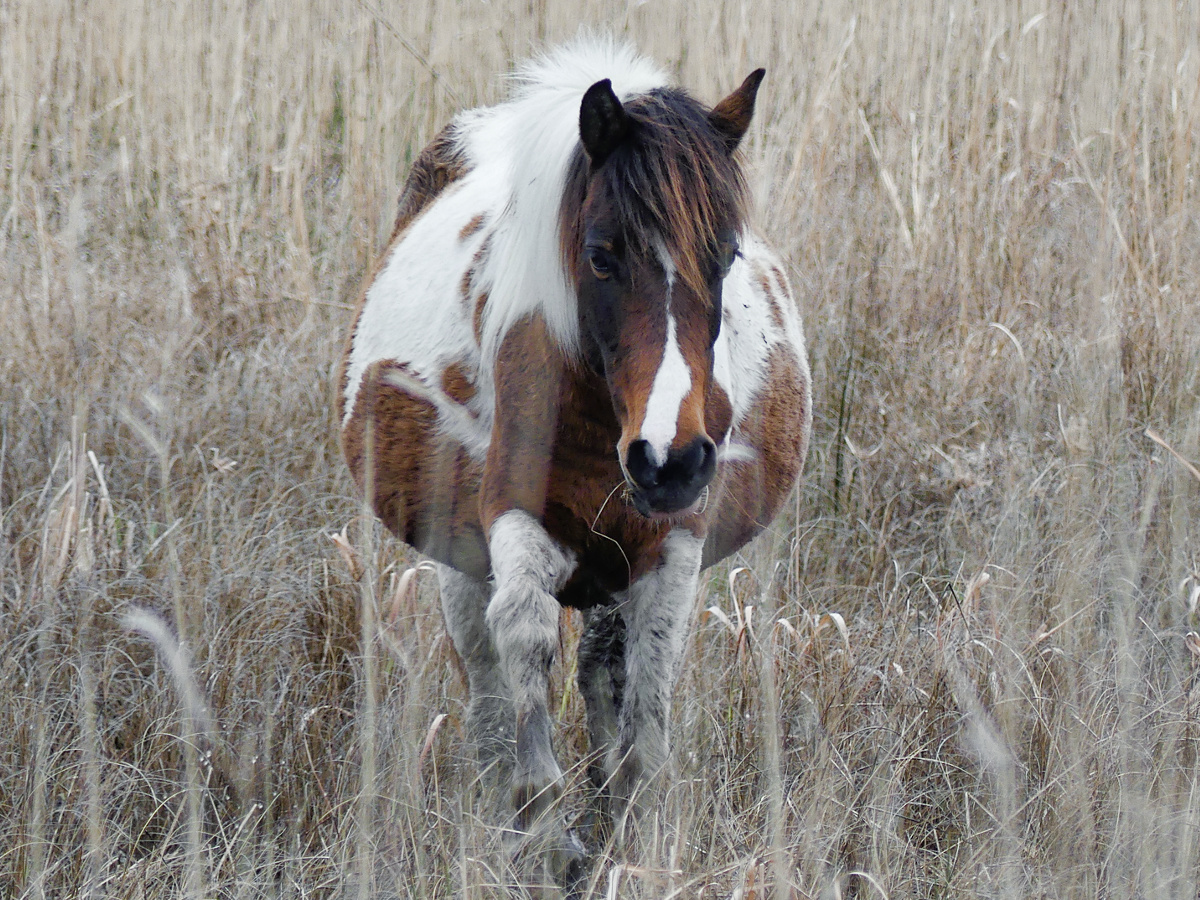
x=577, y=377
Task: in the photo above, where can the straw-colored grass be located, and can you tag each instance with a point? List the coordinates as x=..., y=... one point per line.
x=963, y=664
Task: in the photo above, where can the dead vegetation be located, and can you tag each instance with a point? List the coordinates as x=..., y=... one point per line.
x=964, y=664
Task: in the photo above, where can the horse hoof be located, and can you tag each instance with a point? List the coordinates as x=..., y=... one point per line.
x=569, y=864
x=550, y=863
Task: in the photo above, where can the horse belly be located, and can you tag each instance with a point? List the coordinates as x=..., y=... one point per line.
x=764, y=369
x=423, y=485
x=749, y=492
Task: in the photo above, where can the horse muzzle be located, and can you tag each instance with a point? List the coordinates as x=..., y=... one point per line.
x=677, y=484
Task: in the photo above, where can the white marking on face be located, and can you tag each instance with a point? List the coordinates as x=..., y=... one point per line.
x=668, y=265
x=672, y=383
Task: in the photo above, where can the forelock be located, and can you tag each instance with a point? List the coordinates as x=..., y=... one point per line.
x=673, y=181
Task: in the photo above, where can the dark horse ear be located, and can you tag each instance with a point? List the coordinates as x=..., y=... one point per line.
x=603, y=123
x=731, y=117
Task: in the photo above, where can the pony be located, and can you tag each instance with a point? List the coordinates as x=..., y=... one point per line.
x=577, y=377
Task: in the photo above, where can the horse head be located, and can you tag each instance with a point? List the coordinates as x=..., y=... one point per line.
x=654, y=206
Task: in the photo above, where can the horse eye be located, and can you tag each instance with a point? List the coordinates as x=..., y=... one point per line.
x=729, y=253
x=725, y=255
x=601, y=262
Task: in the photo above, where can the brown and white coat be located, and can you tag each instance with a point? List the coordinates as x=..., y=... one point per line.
x=532, y=396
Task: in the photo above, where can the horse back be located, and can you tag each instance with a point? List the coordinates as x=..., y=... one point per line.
x=439, y=164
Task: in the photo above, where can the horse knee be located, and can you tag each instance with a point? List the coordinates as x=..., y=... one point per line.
x=523, y=621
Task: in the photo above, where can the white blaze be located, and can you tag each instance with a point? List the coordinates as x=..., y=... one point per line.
x=672, y=383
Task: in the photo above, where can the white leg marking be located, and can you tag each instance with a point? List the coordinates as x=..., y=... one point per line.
x=489, y=712
x=672, y=383
x=523, y=619
x=658, y=615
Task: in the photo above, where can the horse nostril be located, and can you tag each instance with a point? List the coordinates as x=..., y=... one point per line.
x=700, y=460
x=640, y=465
x=697, y=457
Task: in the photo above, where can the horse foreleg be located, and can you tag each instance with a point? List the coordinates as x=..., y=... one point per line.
x=523, y=615
x=489, y=709
x=529, y=568
x=601, y=676
x=657, y=613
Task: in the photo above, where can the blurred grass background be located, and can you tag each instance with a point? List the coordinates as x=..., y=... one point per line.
x=963, y=664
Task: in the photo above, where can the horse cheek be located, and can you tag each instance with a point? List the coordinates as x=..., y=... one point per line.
x=718, y=411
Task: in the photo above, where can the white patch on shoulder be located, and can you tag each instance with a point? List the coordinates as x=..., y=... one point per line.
x=413, y=312
x=671, y=385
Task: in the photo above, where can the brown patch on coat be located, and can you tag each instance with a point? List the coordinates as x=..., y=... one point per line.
x=585, y=508
x=749, y=494
x=772, y=299
x=477, y=317
x=457, y=383
x=773, y=285
x=423, y=486
x=472, y=227
x=467, y=288
x=718, y=412
x=528, y=385
x=781, y=295
x=464, y=285
x=439, y=164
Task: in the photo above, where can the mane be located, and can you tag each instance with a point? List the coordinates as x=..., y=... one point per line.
x=674, y=181
x=525, y=148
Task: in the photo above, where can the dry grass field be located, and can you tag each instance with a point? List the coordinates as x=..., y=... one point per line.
x=965, y=663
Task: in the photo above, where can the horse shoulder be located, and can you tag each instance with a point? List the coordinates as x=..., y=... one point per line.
x=527, y=378
x=421, y=304
x=416, y=414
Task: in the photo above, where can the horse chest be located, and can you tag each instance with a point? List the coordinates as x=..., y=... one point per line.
x=586, y=506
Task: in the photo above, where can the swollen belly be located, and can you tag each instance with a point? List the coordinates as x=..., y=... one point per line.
x=423, y=485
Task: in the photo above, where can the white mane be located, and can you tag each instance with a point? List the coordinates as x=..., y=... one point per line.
x=524, y=146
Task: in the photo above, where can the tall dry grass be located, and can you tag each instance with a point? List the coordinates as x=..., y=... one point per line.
x=963, y=664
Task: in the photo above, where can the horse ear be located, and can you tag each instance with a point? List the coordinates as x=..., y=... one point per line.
x=603, y=123
x=731, y=117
